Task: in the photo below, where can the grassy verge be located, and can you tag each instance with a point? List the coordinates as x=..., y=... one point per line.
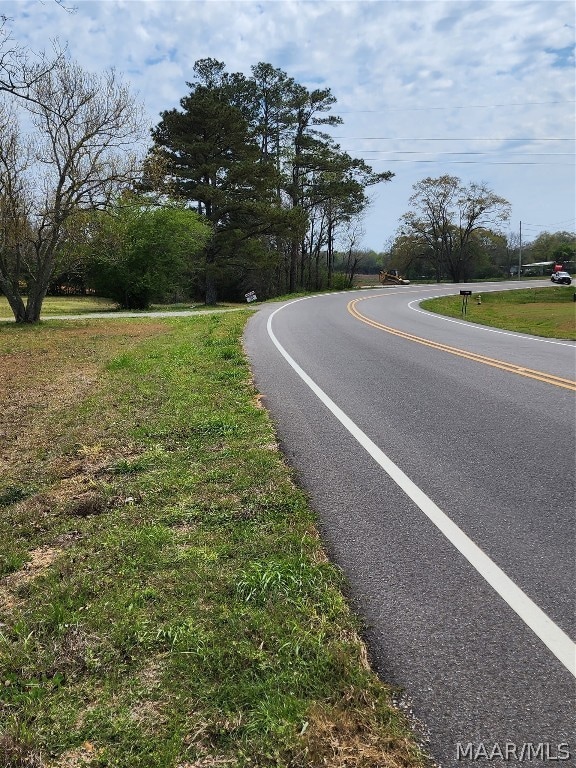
x=165, y=600
x=549, y=312
x=79, y=305
x=65, y=305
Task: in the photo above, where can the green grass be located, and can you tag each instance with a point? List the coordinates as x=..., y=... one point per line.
x=79, y=305
x=549, y=312
x=65, y=305
x=166, y=599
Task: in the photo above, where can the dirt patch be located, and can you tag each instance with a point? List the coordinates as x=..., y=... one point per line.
x=40, y=559
x=87, y=504
x=79, y=757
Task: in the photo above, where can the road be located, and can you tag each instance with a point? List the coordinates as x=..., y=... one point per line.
x=439, y=456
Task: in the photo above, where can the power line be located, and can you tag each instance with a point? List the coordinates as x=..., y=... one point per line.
x=432, y=138
x=553, y=224
x=463, y=152
x=463, y=106
x=472, y=162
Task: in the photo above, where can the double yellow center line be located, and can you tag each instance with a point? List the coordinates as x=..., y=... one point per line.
x=547, y=378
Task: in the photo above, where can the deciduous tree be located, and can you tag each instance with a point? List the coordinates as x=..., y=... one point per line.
x=445, y=216
x=77, y=152
x=553, y=246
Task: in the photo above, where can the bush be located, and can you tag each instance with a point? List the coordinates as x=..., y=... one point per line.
x=141, y=254
x=340, y=281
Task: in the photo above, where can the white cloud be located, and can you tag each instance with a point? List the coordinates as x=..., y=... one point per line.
x=413, y=71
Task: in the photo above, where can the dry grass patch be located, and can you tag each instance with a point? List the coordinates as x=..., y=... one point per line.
x=40, y=559
x=37, y=390
x=64, y=305
x=18, y=753
x=343, y=737
x=80, y=757
x=210, y=762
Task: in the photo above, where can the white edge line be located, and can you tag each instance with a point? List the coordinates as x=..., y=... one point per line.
x=555, y=639
x=480, y=327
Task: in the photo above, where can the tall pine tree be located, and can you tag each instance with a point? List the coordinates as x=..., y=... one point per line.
x=214, y=161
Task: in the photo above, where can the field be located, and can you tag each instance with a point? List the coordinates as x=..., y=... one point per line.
x=165, y=600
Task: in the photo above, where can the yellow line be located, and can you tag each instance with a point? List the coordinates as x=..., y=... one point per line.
x=547, y=378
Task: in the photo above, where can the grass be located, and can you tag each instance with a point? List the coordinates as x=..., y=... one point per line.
x=549, y=312
x=79, y=305
x=65, y=305
x=165, y=599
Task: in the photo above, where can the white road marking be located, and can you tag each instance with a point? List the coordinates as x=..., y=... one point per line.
x=479, y=327
x=555, y=639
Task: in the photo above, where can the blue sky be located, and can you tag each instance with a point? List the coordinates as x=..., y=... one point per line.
x=480, y=90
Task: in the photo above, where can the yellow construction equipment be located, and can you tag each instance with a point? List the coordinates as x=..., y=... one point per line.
x=393, y=278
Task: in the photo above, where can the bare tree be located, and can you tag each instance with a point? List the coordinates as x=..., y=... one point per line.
x=15, y=234
x=82, y=149
x=21, y=69
x=445, y=218
x=351, y=236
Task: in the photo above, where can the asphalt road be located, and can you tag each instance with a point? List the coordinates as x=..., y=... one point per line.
x=444, y=485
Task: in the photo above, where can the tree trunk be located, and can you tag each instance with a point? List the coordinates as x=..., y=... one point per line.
x=211, y=292
x=36, y=295
x=14, y=300
x=29, y=312
x=330, y=246
x=293, y=265
x=353, y=264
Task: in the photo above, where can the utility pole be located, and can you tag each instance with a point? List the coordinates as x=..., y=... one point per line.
x=520, y=253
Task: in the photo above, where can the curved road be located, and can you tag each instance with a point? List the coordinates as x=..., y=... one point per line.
x=439, y=456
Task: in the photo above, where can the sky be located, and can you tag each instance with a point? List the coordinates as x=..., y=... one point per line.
x=484, y=91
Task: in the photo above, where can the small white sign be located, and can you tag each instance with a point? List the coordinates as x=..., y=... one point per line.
x=251, y=296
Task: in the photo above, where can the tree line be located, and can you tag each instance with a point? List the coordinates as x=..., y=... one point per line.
x=252, y=156
x=240, y=188
x=453, y=231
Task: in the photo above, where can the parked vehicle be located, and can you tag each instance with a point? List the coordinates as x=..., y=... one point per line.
x=561, y=277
